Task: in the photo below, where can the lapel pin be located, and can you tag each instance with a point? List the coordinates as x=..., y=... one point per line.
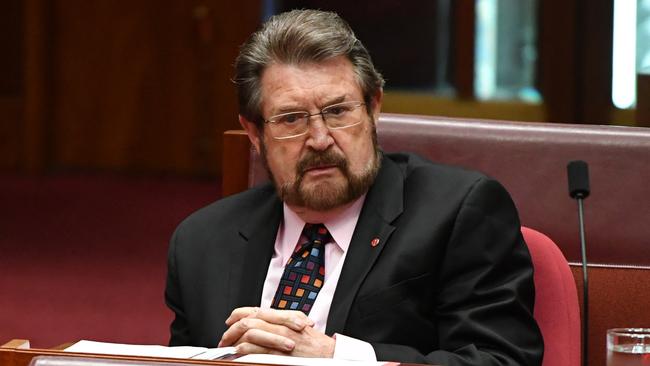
x=374, y=242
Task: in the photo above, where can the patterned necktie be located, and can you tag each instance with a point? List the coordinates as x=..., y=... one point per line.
x=304, y=273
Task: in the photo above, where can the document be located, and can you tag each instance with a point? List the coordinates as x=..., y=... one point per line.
x=201, y=353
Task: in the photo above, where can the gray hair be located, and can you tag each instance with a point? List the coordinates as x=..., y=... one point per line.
x=296, y=37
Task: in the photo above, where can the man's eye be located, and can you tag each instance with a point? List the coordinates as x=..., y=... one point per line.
x=291, y=118
x=336, y=110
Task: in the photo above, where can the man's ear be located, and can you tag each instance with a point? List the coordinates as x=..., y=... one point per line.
x=252, y=132
x=376, y=104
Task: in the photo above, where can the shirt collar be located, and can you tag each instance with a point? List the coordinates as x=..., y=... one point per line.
x=340, y=227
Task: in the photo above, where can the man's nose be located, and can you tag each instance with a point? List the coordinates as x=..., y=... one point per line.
x=319, y=137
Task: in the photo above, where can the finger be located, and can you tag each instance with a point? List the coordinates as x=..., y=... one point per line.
x=313, y=343
x=237, y=330
x=269, y=340
x=233, y=334
x=296, y=320
x=240, y=313
x=249, y=348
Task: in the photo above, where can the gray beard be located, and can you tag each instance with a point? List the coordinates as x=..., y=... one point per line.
x=326, y=195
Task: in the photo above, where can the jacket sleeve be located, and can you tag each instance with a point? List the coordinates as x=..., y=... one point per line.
x=179, y=328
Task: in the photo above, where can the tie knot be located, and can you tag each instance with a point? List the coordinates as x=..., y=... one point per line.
x=317, y=233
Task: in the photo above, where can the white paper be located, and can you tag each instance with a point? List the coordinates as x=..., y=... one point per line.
x=303, y=361
x=149, y=350
x=215, y=353
x=202, y=353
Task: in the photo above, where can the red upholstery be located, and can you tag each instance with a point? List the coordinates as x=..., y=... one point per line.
x=556, y=301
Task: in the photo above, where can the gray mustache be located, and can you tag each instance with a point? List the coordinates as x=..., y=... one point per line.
x=328, y=157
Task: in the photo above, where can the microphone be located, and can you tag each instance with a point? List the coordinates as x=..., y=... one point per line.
x=578, y=175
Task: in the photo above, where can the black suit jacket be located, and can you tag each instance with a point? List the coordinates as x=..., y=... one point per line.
x=451, y=281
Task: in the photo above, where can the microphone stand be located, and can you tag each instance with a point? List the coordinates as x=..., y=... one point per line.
x=585, y=283
x=578, y=176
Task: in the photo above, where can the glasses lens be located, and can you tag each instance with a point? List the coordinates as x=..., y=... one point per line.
x=289, y=124
x=342, y=114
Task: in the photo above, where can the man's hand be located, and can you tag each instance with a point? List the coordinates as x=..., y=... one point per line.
x=287, y=332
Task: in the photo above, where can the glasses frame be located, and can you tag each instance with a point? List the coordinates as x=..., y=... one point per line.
x=273, y=119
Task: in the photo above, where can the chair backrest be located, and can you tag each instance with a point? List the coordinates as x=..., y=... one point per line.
x=556, y=301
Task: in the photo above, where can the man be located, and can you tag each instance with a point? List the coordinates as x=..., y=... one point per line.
x=380, y=256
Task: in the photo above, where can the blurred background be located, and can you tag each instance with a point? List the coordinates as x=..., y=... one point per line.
x=112, y=112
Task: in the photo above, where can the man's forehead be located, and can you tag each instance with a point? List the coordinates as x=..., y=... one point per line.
x=320, y=84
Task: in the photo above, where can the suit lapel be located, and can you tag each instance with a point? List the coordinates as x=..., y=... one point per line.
x=252, y=253
x=382, y=206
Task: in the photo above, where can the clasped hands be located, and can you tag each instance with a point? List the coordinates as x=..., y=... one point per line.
x=284, y=332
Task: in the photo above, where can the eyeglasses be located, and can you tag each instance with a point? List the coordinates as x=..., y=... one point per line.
x=294, y=124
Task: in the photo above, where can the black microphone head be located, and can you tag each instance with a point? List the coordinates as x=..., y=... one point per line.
x=578, y=174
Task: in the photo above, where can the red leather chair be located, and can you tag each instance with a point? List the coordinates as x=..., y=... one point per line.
x=556, y=301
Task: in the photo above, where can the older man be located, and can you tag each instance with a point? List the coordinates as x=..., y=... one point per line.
x=350, y=252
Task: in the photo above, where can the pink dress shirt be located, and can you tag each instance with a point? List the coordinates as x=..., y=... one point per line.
x=341, y=228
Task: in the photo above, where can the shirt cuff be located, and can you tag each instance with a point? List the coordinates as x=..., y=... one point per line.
x=348, y=348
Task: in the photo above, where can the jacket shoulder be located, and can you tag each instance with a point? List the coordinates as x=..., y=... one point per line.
x=230, y=211
x=416, y=167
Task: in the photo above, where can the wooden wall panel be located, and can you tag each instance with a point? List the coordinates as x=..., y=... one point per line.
x=575, y=60
x=557, y=61
x=463, y=49
x=10, y=43
x=596, y=40
x=11, y=65
x=643, y=100
x=10, y=133
x=36, y=136
x=145, y=86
